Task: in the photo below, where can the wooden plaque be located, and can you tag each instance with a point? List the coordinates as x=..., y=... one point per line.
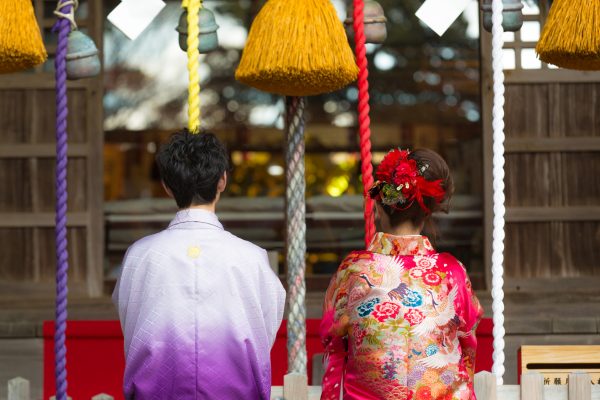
x=555, y=363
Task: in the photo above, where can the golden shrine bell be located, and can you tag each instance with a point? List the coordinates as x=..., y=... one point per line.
x=375, y=29
x=208, y=31
x=82, y=56
x=512, y=15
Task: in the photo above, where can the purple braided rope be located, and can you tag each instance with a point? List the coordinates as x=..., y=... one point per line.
x=63, y=26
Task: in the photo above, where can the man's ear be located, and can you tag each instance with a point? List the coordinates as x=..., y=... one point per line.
x=164, y=185
x=222, y=183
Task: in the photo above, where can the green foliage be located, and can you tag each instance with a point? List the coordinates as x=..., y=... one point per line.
x=373, y=339
x=397, y=326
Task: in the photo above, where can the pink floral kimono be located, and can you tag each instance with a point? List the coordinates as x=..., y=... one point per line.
x=399, y=323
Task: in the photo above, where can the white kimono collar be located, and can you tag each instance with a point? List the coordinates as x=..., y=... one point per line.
x=194, y=215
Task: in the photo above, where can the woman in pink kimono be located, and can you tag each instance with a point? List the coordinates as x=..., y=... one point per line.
x=399, y=318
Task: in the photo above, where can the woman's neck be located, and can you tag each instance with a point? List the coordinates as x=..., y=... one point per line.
x=405, y=229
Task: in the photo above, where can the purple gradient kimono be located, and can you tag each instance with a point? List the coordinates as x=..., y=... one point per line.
x=199, y=310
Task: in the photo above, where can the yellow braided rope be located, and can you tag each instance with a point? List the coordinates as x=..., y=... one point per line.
x=193, y=11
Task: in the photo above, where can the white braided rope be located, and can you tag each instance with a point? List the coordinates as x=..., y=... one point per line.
x=498, y=192
x=296, y=235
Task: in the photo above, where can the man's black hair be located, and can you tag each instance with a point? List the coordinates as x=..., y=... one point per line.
x=191, y=165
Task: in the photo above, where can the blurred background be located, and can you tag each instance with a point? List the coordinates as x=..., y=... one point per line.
x=425, y=92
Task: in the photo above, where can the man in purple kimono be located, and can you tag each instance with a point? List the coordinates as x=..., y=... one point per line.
x=199, y=307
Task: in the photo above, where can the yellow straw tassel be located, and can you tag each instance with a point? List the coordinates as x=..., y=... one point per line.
x=571, y=35
x=21, y=45
x=297, y=48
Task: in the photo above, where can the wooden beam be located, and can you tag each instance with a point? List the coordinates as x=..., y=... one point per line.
x=531, y=17
x=95, y=187
x=530, y=76
x=487, y=97
x=33, y=129
x=49, y=23
x=40, y=150
x=275, y=216
x=42, y=80
x=51, y=49
x=555, y=144
x=519, y=45
x=548, y=285
x=553, y=214
x=39, y=219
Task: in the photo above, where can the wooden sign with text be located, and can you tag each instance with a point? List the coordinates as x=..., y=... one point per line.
x=555, y=363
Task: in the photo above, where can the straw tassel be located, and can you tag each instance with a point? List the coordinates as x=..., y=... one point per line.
x=571, y=35
x=21, y=45
x=297, y=48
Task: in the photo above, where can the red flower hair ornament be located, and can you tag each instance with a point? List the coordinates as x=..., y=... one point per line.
x=400, y=182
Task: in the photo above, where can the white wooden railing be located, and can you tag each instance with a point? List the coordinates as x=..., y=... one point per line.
x=18, y=389
x=532, y=387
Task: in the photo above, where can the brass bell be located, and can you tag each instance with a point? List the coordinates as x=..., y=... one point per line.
x=82, y=56
x=512, y=15
x=375, y=29
x=208, y=31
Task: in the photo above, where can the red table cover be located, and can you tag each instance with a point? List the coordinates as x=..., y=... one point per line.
x=95, y=359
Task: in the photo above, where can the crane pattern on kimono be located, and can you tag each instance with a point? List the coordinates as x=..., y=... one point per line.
x=395, y=293
x=391, y=283
x=442, y=313
x=401, y=319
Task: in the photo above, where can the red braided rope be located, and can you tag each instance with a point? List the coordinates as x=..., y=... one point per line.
x=364, y=121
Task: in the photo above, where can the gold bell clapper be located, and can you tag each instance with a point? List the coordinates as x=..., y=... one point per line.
x=82, y=57
x=375, y=28
x=209, y=40
x=512, y=15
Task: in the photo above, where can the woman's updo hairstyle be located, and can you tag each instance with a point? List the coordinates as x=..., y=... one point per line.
x=433, y=182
